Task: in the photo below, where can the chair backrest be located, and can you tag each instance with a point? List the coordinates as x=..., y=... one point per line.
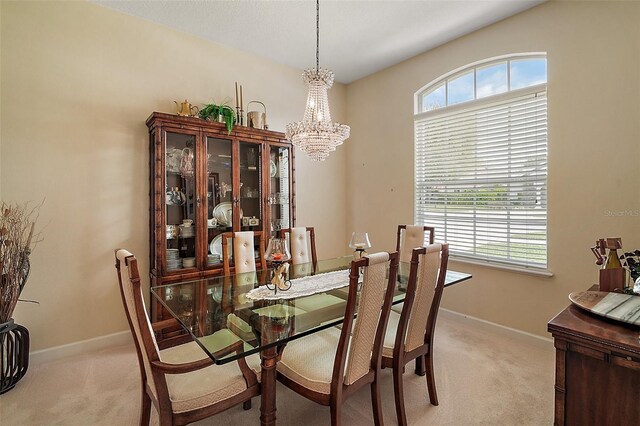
x=424, y=292
x=360, y=347
x=244, y=257
x=133, y=301
x=412, y=237
x=302, y=243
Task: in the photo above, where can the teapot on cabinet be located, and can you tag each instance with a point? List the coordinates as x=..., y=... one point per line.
x=185, y=108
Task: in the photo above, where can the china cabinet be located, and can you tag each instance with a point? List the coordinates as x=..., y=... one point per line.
x=205, y=181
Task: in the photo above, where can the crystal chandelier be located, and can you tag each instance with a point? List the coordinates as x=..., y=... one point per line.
x=316, y=135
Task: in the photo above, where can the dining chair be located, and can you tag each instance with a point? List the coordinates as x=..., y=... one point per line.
x=182, y=386
x=302, y=243
x=245, y=275
x=329, y=366
x=410, y=334
x=412, y=237
x=408, y=238
x=244, y=257
x=304, y=261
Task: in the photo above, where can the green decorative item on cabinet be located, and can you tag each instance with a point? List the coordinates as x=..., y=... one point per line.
x=213, y=112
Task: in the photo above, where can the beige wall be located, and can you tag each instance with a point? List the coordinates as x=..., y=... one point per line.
x=594, y=150
x=78, y=82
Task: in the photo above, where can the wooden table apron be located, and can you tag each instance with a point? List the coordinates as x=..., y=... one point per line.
x=269, y=357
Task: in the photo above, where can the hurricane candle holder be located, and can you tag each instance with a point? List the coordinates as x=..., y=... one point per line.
x=359, y=243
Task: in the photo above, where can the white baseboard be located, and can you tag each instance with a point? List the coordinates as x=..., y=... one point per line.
x=535, y=339
x=81, y=347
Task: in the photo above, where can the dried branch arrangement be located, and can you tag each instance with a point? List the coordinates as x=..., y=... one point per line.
x=17, y=239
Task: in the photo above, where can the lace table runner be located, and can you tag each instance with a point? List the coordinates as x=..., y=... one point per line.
x=304, y=286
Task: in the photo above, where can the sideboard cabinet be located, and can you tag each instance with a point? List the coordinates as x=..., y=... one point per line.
x=597, y=370
x=205, y=181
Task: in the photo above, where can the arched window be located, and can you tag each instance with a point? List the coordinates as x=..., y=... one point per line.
x=481, y=160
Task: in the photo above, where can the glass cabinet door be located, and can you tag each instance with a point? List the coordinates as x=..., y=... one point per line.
x=279, y=188
x=180, y=201
x=250, y=159
x=220, y=199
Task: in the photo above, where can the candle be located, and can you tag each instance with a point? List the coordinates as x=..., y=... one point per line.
x=241, y=103
x=277, y=256
x=359, y=246
x=237, y=104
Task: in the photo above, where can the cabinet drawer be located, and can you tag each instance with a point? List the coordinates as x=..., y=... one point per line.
x=593, y=353
x=625, y=361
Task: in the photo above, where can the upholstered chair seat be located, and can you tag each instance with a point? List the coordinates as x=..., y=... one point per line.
x=198, y=389
x=317, y=302
x=312, y=373
x=254, y=363
x=240, y=327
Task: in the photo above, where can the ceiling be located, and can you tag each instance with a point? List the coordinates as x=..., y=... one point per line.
x=357, y=38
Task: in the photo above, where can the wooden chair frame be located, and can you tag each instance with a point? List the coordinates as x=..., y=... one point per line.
x=225, y=251
x=431, y=230
x=312, y=236
x=423, y=353
x=340, y=391
x=159, y=369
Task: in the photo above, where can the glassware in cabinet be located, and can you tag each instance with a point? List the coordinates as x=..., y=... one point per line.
x=279, y=188
x=180, y=201
x=220, y=197
x=250, y=159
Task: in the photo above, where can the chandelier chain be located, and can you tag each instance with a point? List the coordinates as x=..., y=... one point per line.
x=317, y=36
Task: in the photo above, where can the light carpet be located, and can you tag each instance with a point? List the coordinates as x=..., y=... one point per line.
x=484, y=376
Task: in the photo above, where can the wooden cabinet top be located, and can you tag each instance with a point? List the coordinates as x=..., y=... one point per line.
x=576, y=322
x=157, y=119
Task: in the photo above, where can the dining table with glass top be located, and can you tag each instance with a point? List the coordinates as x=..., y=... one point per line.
x=222, y=311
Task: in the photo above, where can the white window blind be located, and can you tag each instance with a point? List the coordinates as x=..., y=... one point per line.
x=481, y=178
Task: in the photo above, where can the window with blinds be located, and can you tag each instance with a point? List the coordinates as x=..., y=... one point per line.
x=481, y=176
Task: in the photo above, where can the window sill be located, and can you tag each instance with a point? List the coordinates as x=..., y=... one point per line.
x=517, y=269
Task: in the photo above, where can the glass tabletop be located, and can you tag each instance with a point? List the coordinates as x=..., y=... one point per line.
x=218, y=314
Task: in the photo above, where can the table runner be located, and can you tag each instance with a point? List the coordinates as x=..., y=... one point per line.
x=304, y=286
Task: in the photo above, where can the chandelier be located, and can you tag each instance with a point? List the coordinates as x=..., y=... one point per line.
x=316, y=135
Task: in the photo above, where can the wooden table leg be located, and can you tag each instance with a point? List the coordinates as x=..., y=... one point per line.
x=420, y=370
x=269, y=360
